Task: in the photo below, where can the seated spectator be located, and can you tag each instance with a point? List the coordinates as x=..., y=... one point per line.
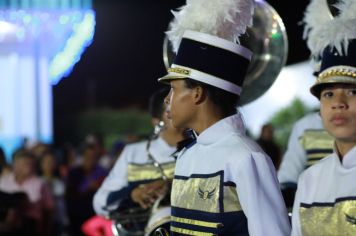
x=40, y=204
x=69, y=159
x=97, y=141
x=12, y=220
x=82, y=183
x=49, y=172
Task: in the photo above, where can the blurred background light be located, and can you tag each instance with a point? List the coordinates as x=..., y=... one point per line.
x=40, y=43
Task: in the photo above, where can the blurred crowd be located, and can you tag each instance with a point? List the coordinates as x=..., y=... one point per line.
x=49, y=191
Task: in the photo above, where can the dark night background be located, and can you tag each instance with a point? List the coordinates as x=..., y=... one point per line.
x=120, y=68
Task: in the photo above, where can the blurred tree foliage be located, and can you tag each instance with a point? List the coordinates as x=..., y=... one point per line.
x=284, y=120
x=113, y=124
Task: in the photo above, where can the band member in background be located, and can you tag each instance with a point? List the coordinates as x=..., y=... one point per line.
x=325, y=199
x=143, y=169
x=224, y=183
x=308, y=143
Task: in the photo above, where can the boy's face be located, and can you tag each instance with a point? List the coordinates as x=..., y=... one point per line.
x=180, y=104
x=168, y=124
x=48, y=163
x=338, y=111
x=23, y=167
x=89, y=158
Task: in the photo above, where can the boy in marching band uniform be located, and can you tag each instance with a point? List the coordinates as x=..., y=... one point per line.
x=224, y=184
x=140, y=175
x=325, y=202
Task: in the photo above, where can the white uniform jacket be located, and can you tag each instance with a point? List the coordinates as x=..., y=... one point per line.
x=308, y=143
x=132, y=169
x=225, y=185
x=325, y=202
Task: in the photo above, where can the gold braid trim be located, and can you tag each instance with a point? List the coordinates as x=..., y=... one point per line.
x=179, y=71
x=344, y=71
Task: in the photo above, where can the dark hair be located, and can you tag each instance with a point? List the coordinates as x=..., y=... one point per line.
x=95, y=138
x=23, y=153
x=266, y=126
x=156, y=103
x=226, y=101
x=52, y=153
x=87, y=147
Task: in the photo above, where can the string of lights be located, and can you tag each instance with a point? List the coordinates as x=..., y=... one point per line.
x=62, y=28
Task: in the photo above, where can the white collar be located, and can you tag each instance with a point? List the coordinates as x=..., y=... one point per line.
x=349, y=159
x=231, y=124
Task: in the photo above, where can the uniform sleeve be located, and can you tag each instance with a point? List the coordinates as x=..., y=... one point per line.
x=114, y=187
x=296, y=226
x=260, y=197
x=294, y=159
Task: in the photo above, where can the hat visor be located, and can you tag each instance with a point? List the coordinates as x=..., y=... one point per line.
x=327, y=82
x=316, y=89
x=169, y=77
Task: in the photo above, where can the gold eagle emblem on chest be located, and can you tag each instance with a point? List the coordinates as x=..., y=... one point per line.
x=350, y=219
x=206, y=194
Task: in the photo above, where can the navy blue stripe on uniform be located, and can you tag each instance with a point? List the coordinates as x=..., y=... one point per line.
x=233, y=223
x=229, y=184
x=117, y=195
x=195, y=214
x=315, y=159
x=320, y=150
x=124, y=192
x=194, y=227
x=221, y=194
x=199, y=175
x=326, y=204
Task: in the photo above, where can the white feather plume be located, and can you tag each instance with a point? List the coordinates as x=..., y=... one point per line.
x=226, y=19
x=317, y=13
x=322, y=29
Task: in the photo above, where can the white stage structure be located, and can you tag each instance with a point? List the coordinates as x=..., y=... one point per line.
x=293, y=82
x=40, y=42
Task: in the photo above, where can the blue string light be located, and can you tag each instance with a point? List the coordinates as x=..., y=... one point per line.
x=70, y=24
x=63, y=63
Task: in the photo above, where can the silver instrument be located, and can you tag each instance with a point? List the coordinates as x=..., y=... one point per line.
x=129, y=221
x=157, y=130
x=161, y=210
x=160, y=218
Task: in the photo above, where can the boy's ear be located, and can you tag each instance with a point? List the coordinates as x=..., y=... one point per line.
x=199, y=94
